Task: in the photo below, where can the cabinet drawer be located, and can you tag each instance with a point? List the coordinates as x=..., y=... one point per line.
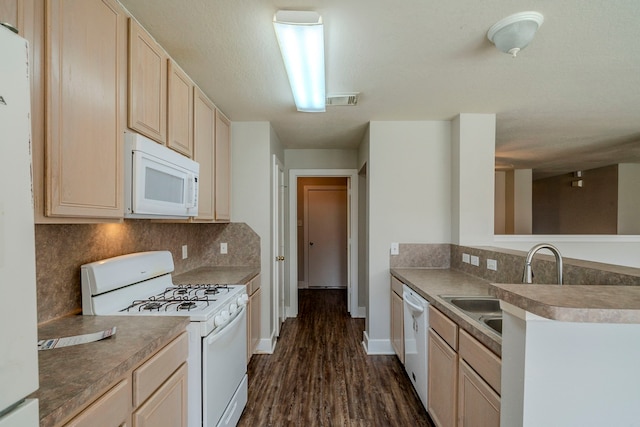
x=481, y=359
x=253, y=285
x=112, y=408
x=151, y=374
x=168, y=405
x=396, y=286
x=444, y=326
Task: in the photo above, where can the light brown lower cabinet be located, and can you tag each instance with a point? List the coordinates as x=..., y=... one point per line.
x=112, y=409
x=154, y=394
x=479, y=405
x=253, y=316
x=443, y=382
x=479, y=377
x=167, y=406
x=464, y=377
x=397, y=318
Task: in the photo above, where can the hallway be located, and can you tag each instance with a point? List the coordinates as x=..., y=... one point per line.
x=320, y=375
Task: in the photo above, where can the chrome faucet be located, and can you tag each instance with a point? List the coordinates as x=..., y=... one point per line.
x=527, y=277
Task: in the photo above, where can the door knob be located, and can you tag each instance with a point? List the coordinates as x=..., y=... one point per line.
x=310, y=243
x=280, y=258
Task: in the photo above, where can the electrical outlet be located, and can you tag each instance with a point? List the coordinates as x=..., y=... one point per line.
x=492, y=264
x=184, y=252
x=475, y=260
x=395, y=249
x=223, y=248
x=465, y=258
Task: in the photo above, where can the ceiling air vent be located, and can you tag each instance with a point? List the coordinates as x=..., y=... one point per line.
x=350, y=98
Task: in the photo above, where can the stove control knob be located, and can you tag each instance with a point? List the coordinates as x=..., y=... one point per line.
x=233, y=308
x=243, y=299
x=221, y=318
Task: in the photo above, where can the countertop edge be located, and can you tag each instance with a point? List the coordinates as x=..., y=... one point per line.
x=87, y=395
x=490, y=339
x=523, y=297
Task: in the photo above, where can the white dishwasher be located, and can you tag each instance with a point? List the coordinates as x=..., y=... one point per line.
x=416, y=327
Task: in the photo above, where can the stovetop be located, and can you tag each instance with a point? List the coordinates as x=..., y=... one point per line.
x=141, y=284
x=184, y=300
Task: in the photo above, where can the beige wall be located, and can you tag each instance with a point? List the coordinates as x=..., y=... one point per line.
x=559, y=208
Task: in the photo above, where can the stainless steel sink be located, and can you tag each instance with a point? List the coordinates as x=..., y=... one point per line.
x=494, y=323
x=484, y=309
x=477, y=304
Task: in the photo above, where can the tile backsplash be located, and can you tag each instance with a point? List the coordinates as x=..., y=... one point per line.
x=510, y=265
x=421, y=255
x=62, y=249
x=510, y=269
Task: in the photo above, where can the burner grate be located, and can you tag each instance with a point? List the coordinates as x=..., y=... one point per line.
x=189, y=297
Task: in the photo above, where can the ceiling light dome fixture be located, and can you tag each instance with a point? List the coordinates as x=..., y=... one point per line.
x=515, y=32
x=301, y=38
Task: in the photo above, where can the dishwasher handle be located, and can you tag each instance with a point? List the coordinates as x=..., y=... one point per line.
x=415, y=307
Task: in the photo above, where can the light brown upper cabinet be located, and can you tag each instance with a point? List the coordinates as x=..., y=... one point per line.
x=147, y=84
x=180, y=107
x=204, y=143
x=85, y=101
x=223, y=169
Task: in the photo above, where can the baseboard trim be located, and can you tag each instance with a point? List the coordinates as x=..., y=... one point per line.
x=266, y=345
x=376, y=347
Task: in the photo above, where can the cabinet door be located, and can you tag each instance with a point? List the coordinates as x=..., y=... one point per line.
x=397, y=326
x=147, y=84
x=113, y=409
x=223, y=168
x=86, y=94
x=204, y=152
x=180, y=111
x=255, y=319
x=443, y=381
x=478, y=404
x=167, y=407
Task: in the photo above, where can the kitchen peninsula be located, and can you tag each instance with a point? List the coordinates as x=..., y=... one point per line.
x=569, y=354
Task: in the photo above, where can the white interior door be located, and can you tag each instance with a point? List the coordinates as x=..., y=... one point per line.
x=326, y=241
x=279, y=310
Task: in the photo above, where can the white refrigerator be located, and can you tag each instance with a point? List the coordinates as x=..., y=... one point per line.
x=18, y=320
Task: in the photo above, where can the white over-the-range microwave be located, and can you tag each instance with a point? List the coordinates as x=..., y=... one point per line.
x=159, y=182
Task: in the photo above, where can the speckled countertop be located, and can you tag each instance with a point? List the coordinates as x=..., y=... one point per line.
x=217, y=275
x=574, y=303
x=432, y=283
x=72, y=377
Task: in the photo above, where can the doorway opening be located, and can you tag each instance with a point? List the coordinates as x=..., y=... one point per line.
x=323, y=231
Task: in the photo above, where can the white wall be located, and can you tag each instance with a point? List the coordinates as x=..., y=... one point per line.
x=409, y=180
x=321, y=159
x=473, y=150
x=253, y=144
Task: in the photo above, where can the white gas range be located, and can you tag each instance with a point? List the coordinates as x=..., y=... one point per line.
x=141, y=284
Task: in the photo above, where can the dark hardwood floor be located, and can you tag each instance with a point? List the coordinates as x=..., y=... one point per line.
x=320, y=375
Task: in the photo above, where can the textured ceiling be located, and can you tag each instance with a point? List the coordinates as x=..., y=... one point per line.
x=571, y=100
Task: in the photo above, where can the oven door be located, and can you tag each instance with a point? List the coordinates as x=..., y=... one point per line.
x=224, y=366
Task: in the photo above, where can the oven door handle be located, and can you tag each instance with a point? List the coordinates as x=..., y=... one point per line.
x=221, y=332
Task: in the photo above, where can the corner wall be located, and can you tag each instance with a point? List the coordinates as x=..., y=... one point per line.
x=409, y=200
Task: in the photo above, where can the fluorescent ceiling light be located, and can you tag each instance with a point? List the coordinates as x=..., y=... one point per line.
x=301, y=39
